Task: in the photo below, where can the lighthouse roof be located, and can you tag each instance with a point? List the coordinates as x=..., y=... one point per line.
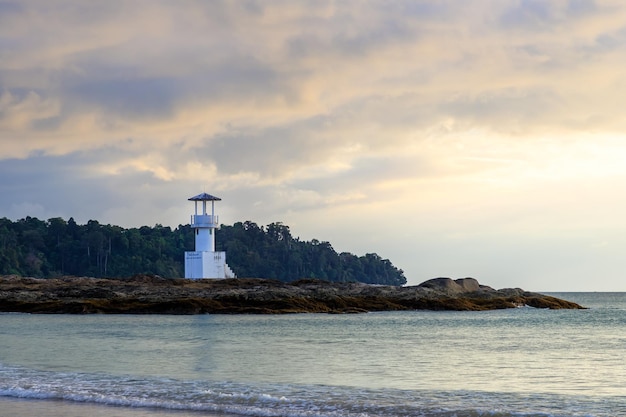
x=204, y=197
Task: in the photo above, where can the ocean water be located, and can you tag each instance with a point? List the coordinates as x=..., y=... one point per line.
x=518, y=362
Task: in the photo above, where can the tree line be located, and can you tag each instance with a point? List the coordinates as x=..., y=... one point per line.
x=56, y=247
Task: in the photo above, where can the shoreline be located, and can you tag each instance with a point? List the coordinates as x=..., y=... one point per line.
x=37, y=407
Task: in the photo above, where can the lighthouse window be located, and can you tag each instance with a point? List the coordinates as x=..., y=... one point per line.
x=197, y=231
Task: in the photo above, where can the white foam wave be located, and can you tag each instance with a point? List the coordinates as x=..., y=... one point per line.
x=257, y=400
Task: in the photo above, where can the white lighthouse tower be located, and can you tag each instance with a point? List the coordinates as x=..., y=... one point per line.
x=204, y=262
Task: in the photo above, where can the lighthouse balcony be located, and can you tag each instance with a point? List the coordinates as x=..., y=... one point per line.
x=204, y=220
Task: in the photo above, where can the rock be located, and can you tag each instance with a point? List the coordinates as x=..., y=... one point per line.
x=462, y=285
x=151, y=294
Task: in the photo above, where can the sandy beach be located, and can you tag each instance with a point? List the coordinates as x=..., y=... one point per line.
x=15, y=407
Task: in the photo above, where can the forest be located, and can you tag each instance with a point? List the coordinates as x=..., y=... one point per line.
x=56, y=247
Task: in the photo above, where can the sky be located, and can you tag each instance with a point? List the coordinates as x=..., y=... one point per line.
x=480, y=138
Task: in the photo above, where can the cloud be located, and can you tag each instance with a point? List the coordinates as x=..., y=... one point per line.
x=398, y=67
x=18, y=109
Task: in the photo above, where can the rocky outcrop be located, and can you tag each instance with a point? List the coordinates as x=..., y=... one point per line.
x=144, y=294
x=457, y=286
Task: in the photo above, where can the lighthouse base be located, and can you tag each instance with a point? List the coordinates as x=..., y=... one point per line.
x=213, y=265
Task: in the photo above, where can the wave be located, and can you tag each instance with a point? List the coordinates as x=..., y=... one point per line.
x=273, y=400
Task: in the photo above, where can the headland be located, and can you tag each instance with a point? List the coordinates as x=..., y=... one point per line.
x=150, y=294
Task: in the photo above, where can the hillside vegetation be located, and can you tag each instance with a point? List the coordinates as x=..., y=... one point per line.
x=56, y=247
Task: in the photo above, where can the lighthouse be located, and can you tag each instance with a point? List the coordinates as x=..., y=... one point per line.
x=205, y=262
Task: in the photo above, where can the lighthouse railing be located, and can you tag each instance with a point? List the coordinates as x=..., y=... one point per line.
x=204, y=220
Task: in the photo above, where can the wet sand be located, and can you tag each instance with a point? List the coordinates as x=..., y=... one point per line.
x=15, y=407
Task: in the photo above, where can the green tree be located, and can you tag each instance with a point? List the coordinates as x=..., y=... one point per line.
x=32, y=247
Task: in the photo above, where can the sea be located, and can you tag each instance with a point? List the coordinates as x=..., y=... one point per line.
x=519, y=362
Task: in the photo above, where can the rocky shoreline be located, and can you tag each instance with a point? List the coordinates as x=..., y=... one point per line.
x=147, y=294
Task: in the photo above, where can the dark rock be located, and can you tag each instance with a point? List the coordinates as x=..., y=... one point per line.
x=151, y=294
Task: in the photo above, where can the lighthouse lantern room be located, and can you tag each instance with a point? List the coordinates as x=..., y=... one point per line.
x=205, y=262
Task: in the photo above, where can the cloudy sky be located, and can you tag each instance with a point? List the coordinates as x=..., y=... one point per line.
x=481, y=138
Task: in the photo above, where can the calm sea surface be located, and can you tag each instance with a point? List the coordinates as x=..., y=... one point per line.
x=517, y=362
